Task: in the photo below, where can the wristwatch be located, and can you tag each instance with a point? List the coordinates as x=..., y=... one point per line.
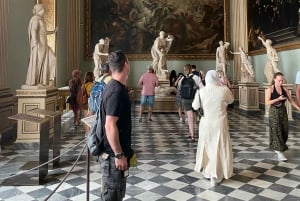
x=119, y=155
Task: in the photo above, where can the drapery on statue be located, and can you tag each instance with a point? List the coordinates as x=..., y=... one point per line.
x=42, y=63
x=272, y=64
x=246, y=67
x=159, y=51
x=100, y=55
x=221, y=57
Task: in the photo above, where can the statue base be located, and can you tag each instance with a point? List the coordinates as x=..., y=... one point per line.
x=164, y=101
x=248, y=96
x=29, y=99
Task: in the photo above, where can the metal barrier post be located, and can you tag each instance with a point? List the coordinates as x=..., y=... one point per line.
x=88, y=176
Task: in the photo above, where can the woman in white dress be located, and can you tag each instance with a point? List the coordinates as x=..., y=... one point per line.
x=214, y=152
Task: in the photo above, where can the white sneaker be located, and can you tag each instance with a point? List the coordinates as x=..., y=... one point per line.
x=180, y=119
x=280, y=156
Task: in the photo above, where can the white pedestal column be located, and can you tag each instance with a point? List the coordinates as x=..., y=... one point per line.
x=248, y=96
x=29, y=99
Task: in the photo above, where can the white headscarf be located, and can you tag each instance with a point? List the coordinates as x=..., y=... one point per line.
x=212, y=77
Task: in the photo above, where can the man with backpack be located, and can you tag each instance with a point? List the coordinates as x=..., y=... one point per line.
x=98, y=88
x=188, y=86
x=116, y=122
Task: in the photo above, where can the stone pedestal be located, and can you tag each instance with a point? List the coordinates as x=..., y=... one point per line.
x=248, y=96
x=287, y=103
x=6, y=110
x=164, y=83
x=29, y=99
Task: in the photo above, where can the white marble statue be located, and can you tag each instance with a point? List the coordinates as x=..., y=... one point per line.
x=100, y=55
x=221, y=57
x=42, y=63
x=247, y=73
x=272, y=64
x=159, y=50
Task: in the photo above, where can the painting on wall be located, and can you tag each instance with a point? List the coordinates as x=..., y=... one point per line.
x=133, y=25
x=277, y=20
x=50, y=18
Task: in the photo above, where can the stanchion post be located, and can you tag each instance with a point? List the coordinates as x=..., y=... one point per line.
x=88, y=176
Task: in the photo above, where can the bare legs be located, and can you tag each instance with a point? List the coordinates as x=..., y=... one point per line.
x=190, y=118
x=150, y=110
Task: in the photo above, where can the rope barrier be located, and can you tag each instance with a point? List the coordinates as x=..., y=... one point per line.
x=66, y=176
x=23, y=172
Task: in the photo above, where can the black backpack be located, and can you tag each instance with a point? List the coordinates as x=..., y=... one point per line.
x=95, y=138
x=188, y=87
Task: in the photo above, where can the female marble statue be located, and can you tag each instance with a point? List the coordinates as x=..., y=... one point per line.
x=159, y=50
x=272, y=64
x=100, y=55
x=247, y=67
x=42, y=63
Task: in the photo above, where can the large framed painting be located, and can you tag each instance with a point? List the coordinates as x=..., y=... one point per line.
x=277, y=20
x=50, y=18
x=132, y=26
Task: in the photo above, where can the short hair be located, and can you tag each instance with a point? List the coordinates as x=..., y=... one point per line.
x=116, y=61
x=194, y=67
x=105, y=68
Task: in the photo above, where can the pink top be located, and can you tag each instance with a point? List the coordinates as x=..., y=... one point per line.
x=148, y=81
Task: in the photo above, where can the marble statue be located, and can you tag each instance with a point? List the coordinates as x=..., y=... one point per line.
x=42, y=62
x=221, y=57
x=100, y=55
x=247, y=73
x=272, y=64
x=159, y=50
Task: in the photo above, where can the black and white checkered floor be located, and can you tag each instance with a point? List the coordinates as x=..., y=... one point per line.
x=165, y=165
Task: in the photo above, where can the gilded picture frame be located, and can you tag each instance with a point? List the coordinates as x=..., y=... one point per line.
x=276, y=20
x=50, y=18
x=197, y=26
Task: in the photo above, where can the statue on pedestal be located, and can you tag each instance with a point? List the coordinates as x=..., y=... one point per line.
x=272, y=64
x=42, y=63
x=159, y=50
x=221, y=57
x=100, y=55
x=247, y=73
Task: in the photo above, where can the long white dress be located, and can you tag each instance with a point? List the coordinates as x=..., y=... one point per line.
x=214, y=151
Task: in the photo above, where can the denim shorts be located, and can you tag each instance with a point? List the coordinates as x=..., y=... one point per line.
x=147, y=101
x=113, y=184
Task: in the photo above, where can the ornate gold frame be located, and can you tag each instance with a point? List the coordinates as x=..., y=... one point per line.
x=50, y=18
x=141, y=56
x=256, y=24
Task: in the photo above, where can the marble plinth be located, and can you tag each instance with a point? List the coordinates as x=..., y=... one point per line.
x=29, y=99
x=6, y=110
x=248, y=96
x=162, y=102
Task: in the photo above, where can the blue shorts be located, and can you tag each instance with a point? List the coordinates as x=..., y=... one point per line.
x=147, y=101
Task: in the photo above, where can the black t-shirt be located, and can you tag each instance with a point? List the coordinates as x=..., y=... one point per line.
x=116, y=102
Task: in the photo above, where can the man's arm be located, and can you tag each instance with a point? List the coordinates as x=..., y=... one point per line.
x=112, y=134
